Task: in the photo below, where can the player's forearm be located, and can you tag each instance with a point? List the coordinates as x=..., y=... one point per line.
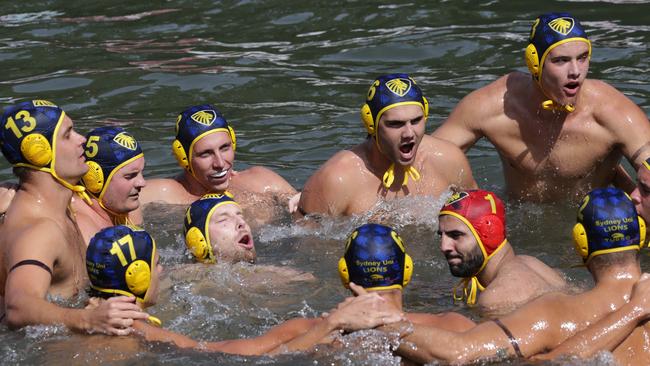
x=155, y=334
x=26, y=310
x=420, y=344
x=606, y=334
x=315, y=335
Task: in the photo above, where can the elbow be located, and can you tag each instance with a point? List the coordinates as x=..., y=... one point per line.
x=14, y=317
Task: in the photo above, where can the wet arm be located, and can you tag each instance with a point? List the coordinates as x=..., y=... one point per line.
x=325, y=192
x=254, y=346
x=606, y=334
x=27, y=286
x=7, y=192
x=459, y=128
x=427, y=343
x=610, y=331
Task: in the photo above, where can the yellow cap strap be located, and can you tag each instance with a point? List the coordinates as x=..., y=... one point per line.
x=389, y=176
x=154, y=321
x=468, y=288
x=550, y=105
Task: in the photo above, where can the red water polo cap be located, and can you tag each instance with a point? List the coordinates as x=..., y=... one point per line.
x=484, y=213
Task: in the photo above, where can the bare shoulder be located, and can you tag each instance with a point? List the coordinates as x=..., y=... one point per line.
x=259, y=179
x=550, y=275
x=447, y=160
x=331, y=187
x=41, y=238
x=490, y=97
x=167, y=190
x=610, y=106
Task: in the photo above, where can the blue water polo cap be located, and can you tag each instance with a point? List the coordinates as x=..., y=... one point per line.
x=28, y=133
x=390, y=91
x=193, y=124
x=375, y=258
x=549, y=31
x=197, y=221
x=119, y=261
x=607, y=223
x=108, y=149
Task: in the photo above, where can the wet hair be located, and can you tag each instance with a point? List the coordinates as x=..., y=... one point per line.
x=612, y=259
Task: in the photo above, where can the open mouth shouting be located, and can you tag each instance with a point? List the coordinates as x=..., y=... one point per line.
x=246, y=242
x=571, y=88
x=407, y=151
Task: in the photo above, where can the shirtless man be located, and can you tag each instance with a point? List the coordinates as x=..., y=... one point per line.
x=607, y=236
x=114, y=180
x=41, y=248
x=472, y=227
x=205, y=149
x=367, y=248
x=558, y=133
x=389, y=164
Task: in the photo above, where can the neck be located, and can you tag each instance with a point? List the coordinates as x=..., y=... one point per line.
x=618, y=275
x=46, y=192
x=392, y=297
x=378, y=163
x=495, y=263
x=192, y=185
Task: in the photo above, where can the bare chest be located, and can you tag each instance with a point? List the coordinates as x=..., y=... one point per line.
x=570, y=149
x=369, y=191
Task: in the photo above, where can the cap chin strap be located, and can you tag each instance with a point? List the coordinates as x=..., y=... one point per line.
x=467, y=289
x=551, y=105
x=78, y=189
x=116, y=218
x=389, y=176
x=470, y=285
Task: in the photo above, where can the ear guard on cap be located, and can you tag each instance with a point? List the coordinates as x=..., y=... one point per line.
x=181, y=156
x=36, y=149
x=532, y=60
x=581, y=241
x=198, y=245
x=94, y=177
x=138, y=277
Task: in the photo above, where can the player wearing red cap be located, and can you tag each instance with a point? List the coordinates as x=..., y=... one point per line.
x=472, y=227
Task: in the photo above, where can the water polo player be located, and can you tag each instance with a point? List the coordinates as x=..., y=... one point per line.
x=396, y=160
x=215, y=230
x=204, y=147
x=42, y=249
x=557, y=133
x=113, y=180
x=608, y=237
x=472, y=229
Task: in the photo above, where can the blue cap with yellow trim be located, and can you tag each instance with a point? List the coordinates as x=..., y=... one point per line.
x=193, y=124
x=119, y=261
x=390, y=91
x=386, y=92
x=607, y=223
x=197, y=219
x=549, y=31
x=28, y=137
x=375, y=258
x=107, y=150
